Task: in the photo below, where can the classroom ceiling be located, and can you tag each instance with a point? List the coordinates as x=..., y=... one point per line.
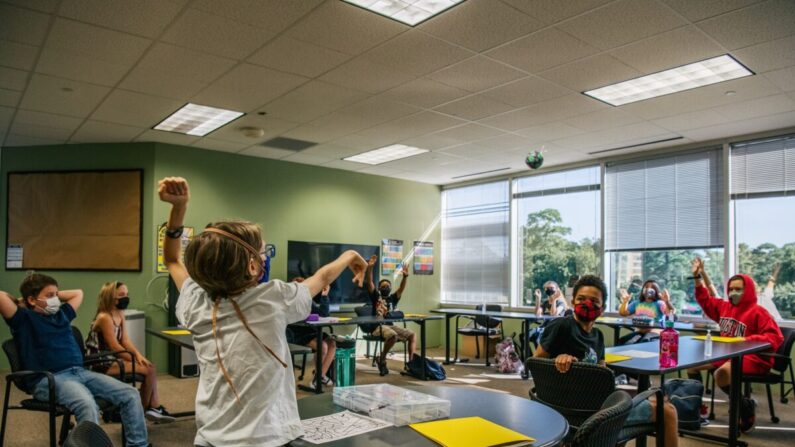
x=479, y=86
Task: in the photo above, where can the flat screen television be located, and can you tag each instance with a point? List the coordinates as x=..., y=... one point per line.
x=305, y=258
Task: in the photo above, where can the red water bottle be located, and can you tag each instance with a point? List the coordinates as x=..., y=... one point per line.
x=669, y=346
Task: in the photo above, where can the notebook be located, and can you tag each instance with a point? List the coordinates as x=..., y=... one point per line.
x=613, y=358
x=470, y=432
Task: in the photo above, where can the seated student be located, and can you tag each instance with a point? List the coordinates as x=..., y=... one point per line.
x=653, y=304
x=306, y=336
x=41, y=326
x=246, y=393
x=575, y=339
x=554, y=305
x=383, y=302
x=739, y=316
x=109, y=333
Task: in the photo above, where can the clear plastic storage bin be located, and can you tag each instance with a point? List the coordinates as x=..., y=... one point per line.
x=392, y=404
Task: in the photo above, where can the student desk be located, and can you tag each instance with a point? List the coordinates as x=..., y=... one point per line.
x=691, y=354
x=626, y=322
x=319, y=325
x=545, y=425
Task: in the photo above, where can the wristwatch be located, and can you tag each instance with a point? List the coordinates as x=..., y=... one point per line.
x=176, y=233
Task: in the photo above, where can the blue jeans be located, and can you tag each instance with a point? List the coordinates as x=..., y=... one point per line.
x=76, y=388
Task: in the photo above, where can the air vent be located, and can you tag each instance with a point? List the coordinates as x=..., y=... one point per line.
x=635, y=145
x=290, y=144
x=479, y=173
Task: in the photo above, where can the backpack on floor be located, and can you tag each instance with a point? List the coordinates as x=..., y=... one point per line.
x=686, y=395
x=506, y=358
x=433, y=370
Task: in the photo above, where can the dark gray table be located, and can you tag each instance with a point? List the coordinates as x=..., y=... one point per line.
x=691, y=354
x=626, y=322
x=545, y=425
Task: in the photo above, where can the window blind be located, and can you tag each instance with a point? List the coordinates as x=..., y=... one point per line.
x=475, y=244
x=763, y=168
x=665, y=203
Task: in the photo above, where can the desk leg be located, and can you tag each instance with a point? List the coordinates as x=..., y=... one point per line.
x=319, y=360
x=422, y=348
x=525, y=347
x=616, y=334
x=644, y=384
x=447, y=318
x=486, y=343
x=661, y=416
x=734, y=399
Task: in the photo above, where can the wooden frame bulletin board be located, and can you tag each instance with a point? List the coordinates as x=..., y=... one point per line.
x=74, y=220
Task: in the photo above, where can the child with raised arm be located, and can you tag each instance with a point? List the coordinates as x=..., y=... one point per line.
x=246, y=393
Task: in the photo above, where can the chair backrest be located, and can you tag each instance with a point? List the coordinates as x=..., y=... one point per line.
x=88, y=434
x=12, y=353
x=79, y=340
x=577, y=394
x=486, y=321
x=604, y=426
x=785, y=349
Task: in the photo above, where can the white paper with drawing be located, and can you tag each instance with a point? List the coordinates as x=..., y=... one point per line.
x=637, y=354
x=339, y=426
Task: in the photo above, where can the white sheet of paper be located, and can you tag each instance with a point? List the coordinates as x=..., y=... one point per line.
x=638, y=354
x=340, y=425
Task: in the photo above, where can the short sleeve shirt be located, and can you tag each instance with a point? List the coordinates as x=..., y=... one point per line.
x=268, y=413
x=650, y=309
x=560, y=307
x=566, y=336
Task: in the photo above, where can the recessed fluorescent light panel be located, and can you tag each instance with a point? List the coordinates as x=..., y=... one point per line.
x=385, y=154
x=686, y=77
x=410, y=12
x=193, y=119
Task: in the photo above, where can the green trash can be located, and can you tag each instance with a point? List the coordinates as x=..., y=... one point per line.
x=345, y=363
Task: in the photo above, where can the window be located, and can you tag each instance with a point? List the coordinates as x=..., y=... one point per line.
x=763, y=210
x=475, y=237
x=659, y=214
x=558, y=224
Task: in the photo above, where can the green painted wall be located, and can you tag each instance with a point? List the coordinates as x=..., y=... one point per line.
x=291, y=202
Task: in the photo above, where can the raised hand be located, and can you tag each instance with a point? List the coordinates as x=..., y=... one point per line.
x=371, y=262
x=537, y=294
x=776, y=269
x=665, y=296
x=625, y=296
x=173, y=190
x=698, y=266
x=405, y=269
x=358, y=266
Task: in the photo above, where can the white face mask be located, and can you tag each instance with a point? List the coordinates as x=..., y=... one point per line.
x=53, y=305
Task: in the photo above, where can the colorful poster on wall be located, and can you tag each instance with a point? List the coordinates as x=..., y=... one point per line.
x=391, y=255
x=423, y=258
x=187, y=235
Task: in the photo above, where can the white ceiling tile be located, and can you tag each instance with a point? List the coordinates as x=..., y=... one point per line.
x=416, y=53
x=380, y=170
x=364, y=114
x=591, y=72
x=312, y=100
x=690, y=120
x=174, y=72
x=346, y=165
x=39, y=131
x=549, y=132
x=167, y=137
x=667, y=50
x=142, y=17
x=135, y=109
x=317, y=134
x=451, y=137
x=344, y=27
x=26, y=140
x=408, y=127
x=602, y=119
x=266, y=152
x=768, y=56
x=80, y=67
x=271, y=126
x=22, y=25
x=542, y=50
x=48, y=6
x=307, y=159
x=217, y=35
x=363, y=75
x=506, y=142
x=247, y=87
x=527, y=91
x=703, y=9
x=470, y=150
x=295, y=56
x=425, y=93
x=67, y=123
x=476, y=74
x=101, y=132
x=752, y=25
x=553, y=11
x=783, y=79
x=771, y=105
x=622, y=22
x=545, y=112
x=737, y=128
x=474, y=107
x=273, y=15
x=17, y=55
x=9, y=97
x=6, y=113
x=480, y=25
x=354, y=141
x=12, y=79
x=416, y=177
x=428, y=161
x=334, y=151
x=617, y=136
x=219, y=145
x=47, y=94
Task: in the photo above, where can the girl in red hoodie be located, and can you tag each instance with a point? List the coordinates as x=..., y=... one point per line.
x=738, y=316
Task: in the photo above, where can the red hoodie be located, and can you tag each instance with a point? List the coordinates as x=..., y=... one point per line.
x=747, y=319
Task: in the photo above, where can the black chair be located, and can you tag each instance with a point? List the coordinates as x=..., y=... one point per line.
x=482, y=326
x=603, y=427
x=88, y=434
x=778, y=373
x=368, y=337
x=109, y=356
x=580, y=393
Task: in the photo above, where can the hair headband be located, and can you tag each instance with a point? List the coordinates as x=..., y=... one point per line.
x=229, y=235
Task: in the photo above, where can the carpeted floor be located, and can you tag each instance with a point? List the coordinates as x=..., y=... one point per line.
x=29, y=429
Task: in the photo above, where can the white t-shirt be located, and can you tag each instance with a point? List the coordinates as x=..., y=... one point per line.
x=268, y=412
x=765, y=299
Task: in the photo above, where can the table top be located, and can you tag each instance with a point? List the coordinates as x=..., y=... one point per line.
x=545, y=425
x=691, y=353
x=492, y=313
x=367, y=320
x=186, y=340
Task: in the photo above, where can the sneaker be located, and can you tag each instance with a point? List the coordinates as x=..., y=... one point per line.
x=747, y=414
x=621, y=379
x=704, y=421
x=382, y=369
x=327, y=381
x=159, y=415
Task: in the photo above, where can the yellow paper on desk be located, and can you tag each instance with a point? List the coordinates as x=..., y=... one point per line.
x=613, y=358
x=343, y=318
x=720, y=339
x=176, y=332
x=469, y=432
x=607, y=320
x=414, y=315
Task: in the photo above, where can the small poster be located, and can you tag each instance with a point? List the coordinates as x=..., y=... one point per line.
x=423, y=258
x=14, y=254
x=187, y=235
x=391, y=255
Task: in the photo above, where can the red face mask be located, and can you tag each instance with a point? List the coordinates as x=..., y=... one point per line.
x=587, y=311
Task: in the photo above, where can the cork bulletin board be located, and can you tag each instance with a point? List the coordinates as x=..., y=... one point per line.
x=74, y=220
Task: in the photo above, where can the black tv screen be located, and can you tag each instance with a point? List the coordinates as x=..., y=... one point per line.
x=305, y=258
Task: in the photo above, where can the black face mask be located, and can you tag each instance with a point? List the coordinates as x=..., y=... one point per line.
x=384, y=291
x=549, y=291
x=123, y=303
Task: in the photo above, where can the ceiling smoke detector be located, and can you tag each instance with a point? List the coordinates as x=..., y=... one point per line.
x=252, y=132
